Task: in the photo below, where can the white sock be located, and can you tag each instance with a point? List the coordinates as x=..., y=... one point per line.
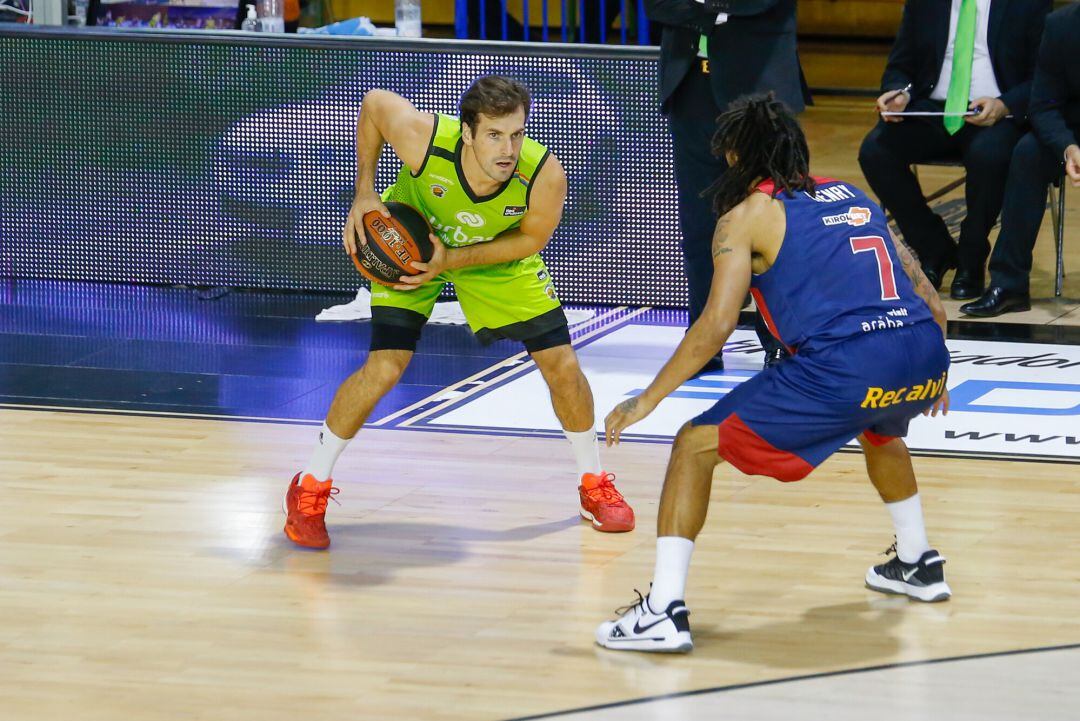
x=326, y=454
x=672, y=565
x=586, y=450
x=907, y=518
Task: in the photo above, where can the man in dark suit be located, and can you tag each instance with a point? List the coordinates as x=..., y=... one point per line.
x=954, y=56
x=711, y=53
x=1037, y=161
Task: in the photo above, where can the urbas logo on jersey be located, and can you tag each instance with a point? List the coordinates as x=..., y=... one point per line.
x=854, y=216
x=473, y=220
x=455, y=235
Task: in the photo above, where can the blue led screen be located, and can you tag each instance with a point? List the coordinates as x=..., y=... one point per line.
x=216, y=160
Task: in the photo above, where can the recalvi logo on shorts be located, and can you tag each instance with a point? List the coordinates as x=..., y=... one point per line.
x=877, y=397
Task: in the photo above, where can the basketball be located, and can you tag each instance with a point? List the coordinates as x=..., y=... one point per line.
x=392, y=244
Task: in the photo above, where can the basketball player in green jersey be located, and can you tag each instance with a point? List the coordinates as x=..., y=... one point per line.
x=494, y=197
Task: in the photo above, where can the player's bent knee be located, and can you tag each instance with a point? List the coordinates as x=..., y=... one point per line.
x=385, y=368
x=873, y=442
x=558, y=363
x=693, y=439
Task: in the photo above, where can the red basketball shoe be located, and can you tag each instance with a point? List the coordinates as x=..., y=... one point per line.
x=602, y=504
x=305, y=504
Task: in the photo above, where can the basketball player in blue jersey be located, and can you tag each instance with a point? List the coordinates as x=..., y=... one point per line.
x=866, y=330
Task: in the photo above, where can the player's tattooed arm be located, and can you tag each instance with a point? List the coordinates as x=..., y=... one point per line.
x=909, y=261
x=625, y=414
x=733, y=244
x=720, y=238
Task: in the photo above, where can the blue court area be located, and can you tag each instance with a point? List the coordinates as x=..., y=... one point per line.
x=263, y=356
x=253, y=355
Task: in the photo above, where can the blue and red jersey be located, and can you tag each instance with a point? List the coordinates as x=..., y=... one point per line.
x=868, y=358
x=837, y=275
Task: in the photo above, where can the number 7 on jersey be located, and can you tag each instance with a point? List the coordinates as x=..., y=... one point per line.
x=876, y=244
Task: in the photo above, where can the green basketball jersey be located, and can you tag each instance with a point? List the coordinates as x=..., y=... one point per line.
x=439, y=189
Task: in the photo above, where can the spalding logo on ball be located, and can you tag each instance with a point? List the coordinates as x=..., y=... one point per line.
x=393, y=244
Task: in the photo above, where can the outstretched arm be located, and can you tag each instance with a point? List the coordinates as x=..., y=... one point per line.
x=732, y=250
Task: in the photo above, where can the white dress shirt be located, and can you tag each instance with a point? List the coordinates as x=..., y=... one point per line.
x=983, y=82
x=721, y=18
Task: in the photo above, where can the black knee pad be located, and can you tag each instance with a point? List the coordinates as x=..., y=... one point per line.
x=549, y=339
x=385, y=336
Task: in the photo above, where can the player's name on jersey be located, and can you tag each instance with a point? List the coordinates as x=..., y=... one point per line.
x=877, y=397
x=831, y=194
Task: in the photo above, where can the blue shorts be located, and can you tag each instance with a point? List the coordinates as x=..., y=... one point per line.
x=787, y=419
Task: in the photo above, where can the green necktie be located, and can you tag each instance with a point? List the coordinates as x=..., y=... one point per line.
x=957, y=100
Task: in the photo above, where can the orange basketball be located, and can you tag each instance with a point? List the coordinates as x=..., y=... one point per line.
x=393, y=244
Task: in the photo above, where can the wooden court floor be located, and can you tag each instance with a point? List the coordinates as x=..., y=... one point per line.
x=144, y=574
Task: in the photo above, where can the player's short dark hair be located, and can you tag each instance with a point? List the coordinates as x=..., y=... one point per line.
x=769, y=145
x=496, y=96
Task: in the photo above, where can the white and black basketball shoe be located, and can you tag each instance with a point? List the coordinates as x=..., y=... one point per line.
x=923, y=580
x=639, y=628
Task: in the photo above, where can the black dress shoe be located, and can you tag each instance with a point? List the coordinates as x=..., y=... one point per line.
x=996, y=301
x=935, y=272
x=967, y=285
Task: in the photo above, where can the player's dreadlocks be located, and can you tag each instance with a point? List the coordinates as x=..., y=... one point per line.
x=768, y=145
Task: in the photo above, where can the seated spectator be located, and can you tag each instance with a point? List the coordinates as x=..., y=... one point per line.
x=1037, y=161
x=953, y=57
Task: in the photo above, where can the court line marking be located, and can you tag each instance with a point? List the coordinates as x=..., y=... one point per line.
x=513, y=360
x=790, y=679
x=159, y=414
x=515, y=371
x=666, y=441
x=495, y=432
